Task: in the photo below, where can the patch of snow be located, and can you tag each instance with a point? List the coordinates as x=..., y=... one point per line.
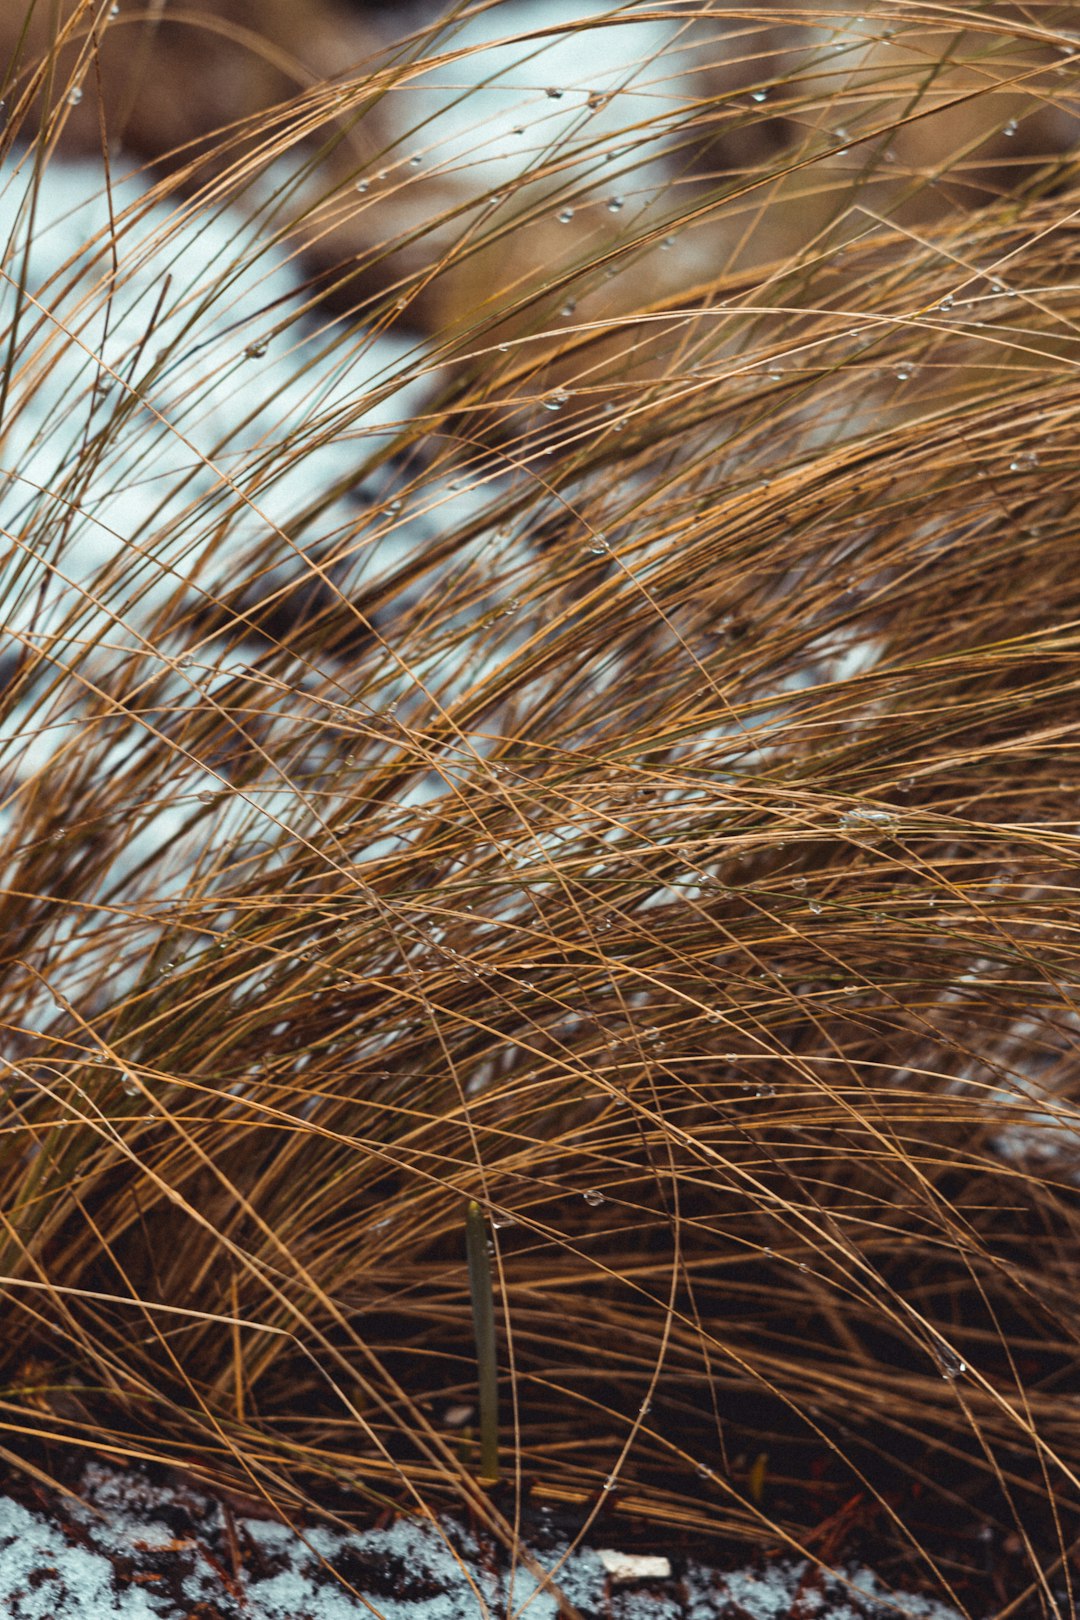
x=113, y=1556
x=512, y=99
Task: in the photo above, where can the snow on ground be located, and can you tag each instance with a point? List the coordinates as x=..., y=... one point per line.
x=156, y=362
x=526, y=88
x=134, y=1550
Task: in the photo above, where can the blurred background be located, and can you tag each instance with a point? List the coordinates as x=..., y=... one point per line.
x=417, y=114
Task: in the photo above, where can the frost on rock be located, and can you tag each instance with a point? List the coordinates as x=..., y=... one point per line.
x=131, y=1549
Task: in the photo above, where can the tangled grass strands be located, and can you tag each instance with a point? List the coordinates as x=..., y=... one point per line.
x=613, y=772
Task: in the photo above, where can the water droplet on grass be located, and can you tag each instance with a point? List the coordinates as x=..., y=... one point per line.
x=593, y=1196
x=759, y=95
x=870, y=820
x=949, y=1364
x=74, y=95
x=615, y=205
x=565, y=215
x=554, y=94
x=1010, y=128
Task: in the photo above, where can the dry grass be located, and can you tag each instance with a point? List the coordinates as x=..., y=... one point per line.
x=678, y=858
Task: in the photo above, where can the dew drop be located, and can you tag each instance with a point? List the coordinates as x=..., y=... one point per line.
x=255, y=351
x=870, y=820
x=667, y=243
x=615, y=205
x=593, y=1196
x=565, y=215
x=759, y=95
x=207, y=798
x=362, y=186
x=1010, y=128
x=74, y=95
x=553, y=94
x=415, y=161
x=950, y=1365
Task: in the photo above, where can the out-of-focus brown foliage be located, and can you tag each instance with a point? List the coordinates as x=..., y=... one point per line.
x=162, y=77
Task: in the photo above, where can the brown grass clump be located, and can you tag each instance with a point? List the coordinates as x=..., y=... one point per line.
x=672, y=853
